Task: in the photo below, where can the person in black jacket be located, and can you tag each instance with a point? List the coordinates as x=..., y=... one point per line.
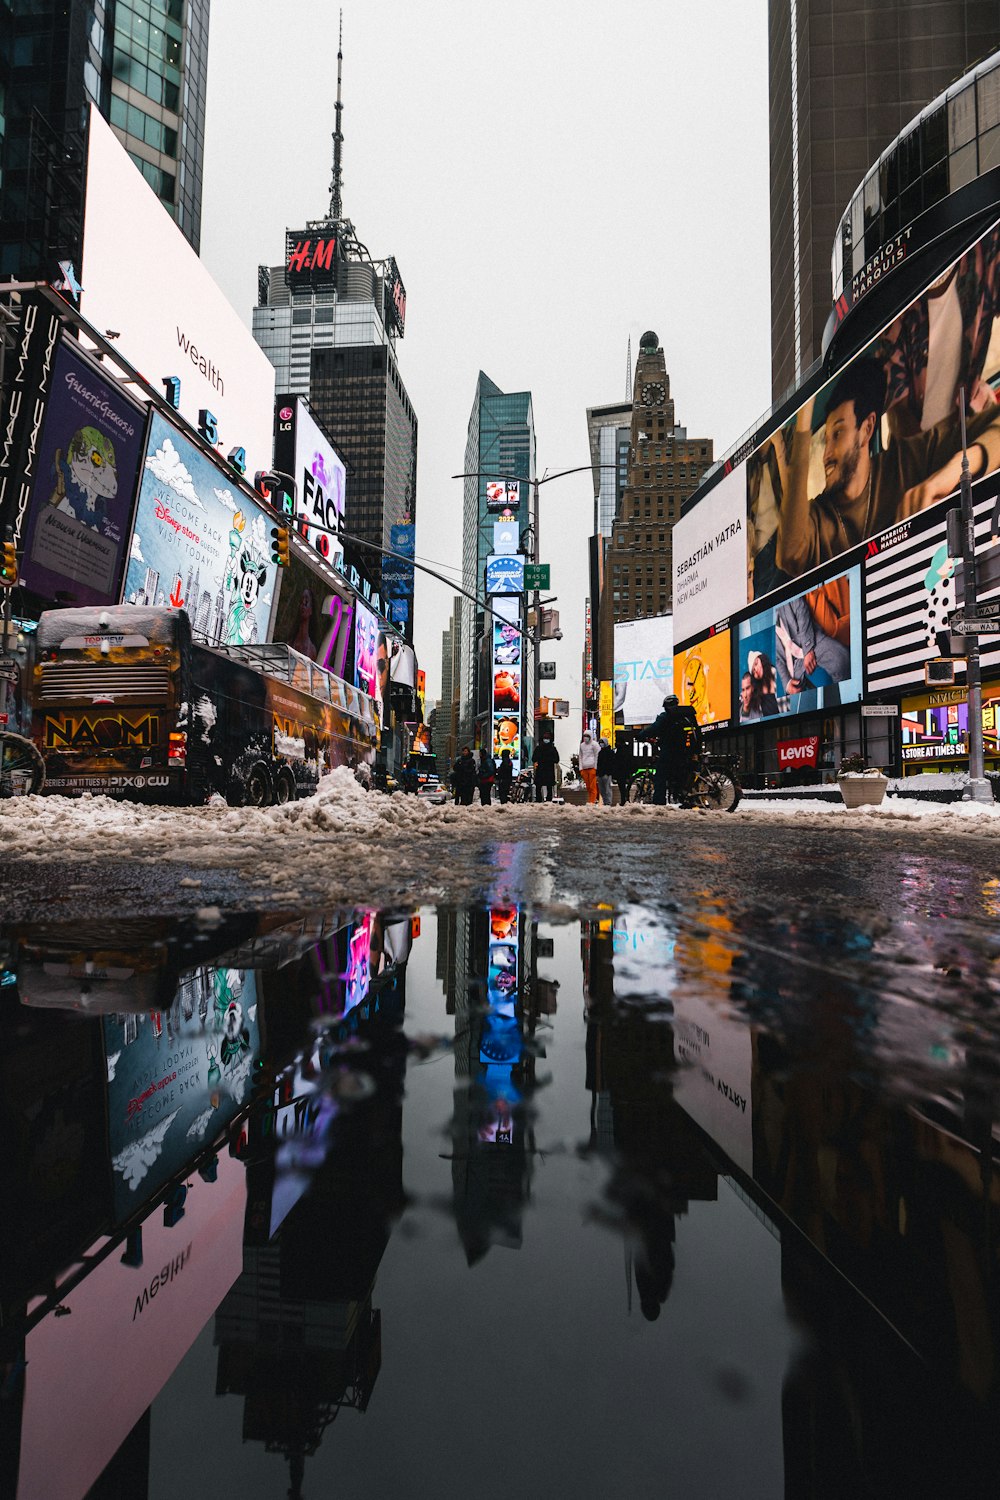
x=624, y=766
x=605, y=772
x=464, y=777
x=544, y=763
x=505, y=775
x=487, y=775
x=679, y=747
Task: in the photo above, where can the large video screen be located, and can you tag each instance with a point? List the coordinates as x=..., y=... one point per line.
x=199, y=543
x=703, y=679
x=80, y=511
x=801, y=655
x=644, y=668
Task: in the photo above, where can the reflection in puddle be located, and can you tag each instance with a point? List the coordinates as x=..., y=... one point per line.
x=236, y=1152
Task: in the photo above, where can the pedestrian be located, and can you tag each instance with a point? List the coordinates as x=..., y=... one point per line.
x=505, y=775
x=487, y=775
x=545, y=760
x=588, y=766
x=679, y=746
x=464, y=777
x=605, y=771
x=624, y=766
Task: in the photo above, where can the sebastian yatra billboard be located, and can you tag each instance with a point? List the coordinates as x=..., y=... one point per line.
x=879, y=443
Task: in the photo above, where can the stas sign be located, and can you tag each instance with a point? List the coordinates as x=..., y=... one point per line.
x=793, y=753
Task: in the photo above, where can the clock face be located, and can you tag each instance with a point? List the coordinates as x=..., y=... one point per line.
x=653, y=394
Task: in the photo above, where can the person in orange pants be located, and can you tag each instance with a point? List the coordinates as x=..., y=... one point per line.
x=588, y=765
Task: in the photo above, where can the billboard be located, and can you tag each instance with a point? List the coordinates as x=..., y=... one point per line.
x=302, y=449
x=79, y=514
x=311, y=258
x=366, y=644
x=170, y=317
x=935, y=726
x=394, y=294
x=703, y=678
x=710, y=559
x=644, y=668
x=199, y=543
x=502, y=494
x=506, y=538
x=402, y=663
x=803, y=654
x=504, y=574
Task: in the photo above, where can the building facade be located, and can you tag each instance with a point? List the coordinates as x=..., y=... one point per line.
x=845, y=77
x=665, y=466
x=144, y=65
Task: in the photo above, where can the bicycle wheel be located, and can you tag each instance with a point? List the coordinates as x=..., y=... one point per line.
x=20, y=757
x=716, y=791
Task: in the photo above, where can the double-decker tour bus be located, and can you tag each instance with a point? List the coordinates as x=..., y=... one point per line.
x=126, y=704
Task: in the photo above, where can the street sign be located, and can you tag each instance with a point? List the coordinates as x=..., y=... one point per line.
x=988, y=611
x=536, y=575
x=879, y=711
x=975, y=626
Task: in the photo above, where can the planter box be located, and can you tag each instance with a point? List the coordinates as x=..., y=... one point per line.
x=861, y=790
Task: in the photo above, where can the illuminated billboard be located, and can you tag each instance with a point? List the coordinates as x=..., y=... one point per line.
x=502, y=494
x=702, y=678
x=199, y=543
x=710, y=559
x=644, y=668
x=935, y=726
x=366, y=638
x=169, y=317
x=79, y=514
x=803, y=654
x=303, y=450
x=505, y=574
x=394, y=294
x=311, y=258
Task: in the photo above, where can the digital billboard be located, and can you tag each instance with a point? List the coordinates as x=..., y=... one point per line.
x=801, y=655
x=79, y=515
x=644, y=668
x=302, y=449
x=394, y=298
x=199, y=543
x=169, y=317
x=502, y=494
x=702, y=678
x=366, y=637
x=505, y=574
x=311, y=258
x=935, y=726
x=710, y=559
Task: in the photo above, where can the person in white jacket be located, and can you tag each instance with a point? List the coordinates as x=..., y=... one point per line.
x=588, y=765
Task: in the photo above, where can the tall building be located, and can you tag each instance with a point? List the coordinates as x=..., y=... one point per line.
x=447, y=721
x=665, y=466
x=609, y=433
x=499, y=459
x=144, y=65
x=328, y=319
x=845, y=78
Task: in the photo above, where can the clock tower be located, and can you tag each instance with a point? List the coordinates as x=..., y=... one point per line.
x=665, y=466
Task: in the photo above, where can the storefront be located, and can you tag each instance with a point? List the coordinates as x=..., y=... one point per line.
x=935, y=730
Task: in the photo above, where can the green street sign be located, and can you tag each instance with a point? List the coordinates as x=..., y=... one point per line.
x=536, y=576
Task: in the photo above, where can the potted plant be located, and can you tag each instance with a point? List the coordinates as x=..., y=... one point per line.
x=860, y=784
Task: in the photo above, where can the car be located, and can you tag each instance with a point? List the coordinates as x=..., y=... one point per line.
x=420, y=776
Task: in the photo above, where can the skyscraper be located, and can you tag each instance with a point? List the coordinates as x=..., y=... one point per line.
x=144, y=65
x=328, y=319
x=845, y=77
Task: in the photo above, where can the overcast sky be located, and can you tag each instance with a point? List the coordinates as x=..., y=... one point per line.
x=552, y=179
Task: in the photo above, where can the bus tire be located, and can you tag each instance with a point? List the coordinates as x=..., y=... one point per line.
x=258, y=787
x=284, y=787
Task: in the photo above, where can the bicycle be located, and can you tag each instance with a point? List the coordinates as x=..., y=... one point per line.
x=22, y=768
x=521, y=787
x=714, y=786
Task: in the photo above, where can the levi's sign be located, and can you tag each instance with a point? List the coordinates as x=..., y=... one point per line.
x=798, y=752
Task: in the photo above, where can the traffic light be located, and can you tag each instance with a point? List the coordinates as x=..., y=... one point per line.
x=8, y=568
x=279, y=545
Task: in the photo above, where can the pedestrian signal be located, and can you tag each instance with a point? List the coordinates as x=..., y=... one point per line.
x=279, y=545
x=8, y=566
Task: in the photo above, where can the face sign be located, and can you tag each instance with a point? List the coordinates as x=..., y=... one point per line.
x=845, y=449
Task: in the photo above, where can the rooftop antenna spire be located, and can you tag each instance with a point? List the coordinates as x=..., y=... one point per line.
x=336, y=184
x=628, y=371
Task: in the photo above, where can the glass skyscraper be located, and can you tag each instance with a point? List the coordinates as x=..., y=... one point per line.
x=144, y=65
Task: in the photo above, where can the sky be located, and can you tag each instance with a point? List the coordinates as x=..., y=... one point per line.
x=553, y=179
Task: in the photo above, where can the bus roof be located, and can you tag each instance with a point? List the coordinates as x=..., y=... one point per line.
x=156, y=624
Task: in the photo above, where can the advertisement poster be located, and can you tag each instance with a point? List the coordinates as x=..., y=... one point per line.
x=506, y=643
x=703, y=678
x=366, y=638
x=644, y=668
x=320, y=477
x=502, y=495
x=935, y=726
x=881, y=441
x=80, y=511
x=176, y=1079
x=199, y=543
x=505, y=574
x=802, y=655
x=507, y=736
x=506, y=537
x=710, y=559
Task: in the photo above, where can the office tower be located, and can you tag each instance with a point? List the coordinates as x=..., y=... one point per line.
x=328, y=319
x=609, y=432
x=845, y=77
x=499, y=462
x=446, y=724
x=144, y=65
x=665, y=466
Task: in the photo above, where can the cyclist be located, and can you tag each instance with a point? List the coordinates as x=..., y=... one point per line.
x=678, y=750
